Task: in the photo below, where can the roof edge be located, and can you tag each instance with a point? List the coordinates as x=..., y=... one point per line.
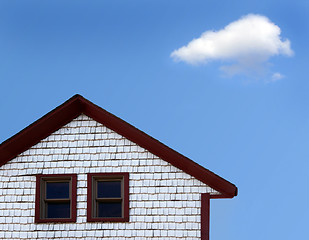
x=77, y=105
x=40, y=129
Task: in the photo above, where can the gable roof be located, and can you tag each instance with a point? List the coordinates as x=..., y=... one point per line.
x=77, y=105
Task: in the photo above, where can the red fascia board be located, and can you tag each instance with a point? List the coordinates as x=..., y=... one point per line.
x=39, y=130
x=78, y=105
x=159, y=149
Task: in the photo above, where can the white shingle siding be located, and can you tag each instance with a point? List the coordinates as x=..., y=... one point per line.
x=164, y=201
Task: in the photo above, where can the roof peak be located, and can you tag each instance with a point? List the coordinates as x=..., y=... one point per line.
x=78, y=105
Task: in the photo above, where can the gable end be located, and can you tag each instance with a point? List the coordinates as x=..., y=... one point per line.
x=77, y=105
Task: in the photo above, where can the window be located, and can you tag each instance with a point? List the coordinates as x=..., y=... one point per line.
x=55, y=198
x=108, y=197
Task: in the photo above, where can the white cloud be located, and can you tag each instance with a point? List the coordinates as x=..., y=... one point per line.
x=248, y=43
x=276, y=76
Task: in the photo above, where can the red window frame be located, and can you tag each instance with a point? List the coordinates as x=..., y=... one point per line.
x=39, y=218
x=91, y=178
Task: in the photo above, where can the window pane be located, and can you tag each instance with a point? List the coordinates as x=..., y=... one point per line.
x=58, y=210
x=57, y=190
x=109, y=189
x=111, y=209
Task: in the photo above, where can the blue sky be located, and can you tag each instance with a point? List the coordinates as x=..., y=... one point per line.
x=250, y=129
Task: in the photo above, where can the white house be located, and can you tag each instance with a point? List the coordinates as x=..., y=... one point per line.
x=80, y=172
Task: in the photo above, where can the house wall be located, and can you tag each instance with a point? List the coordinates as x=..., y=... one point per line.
x=165, y=202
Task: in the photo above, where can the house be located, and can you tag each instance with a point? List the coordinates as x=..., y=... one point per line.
x=80, y=172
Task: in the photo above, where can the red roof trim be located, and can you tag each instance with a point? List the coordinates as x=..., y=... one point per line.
x=40, y=129
x=77, y=105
